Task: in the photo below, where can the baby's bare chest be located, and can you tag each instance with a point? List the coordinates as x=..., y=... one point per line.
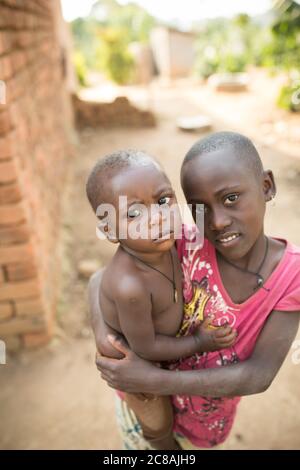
x=167, y=306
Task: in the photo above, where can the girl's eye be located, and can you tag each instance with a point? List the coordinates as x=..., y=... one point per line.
x=164, y=200
x=132, y=213
x=231, y=199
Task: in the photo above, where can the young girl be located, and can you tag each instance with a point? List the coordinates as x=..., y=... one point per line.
x=241, y=276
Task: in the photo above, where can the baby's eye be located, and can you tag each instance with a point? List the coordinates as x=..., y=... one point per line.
x=164, y=200
x=134, y=212
x=232, y=198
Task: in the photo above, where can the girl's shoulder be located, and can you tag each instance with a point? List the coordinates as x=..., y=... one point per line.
x=293, y=249
x=287, y=251
x=288, y=279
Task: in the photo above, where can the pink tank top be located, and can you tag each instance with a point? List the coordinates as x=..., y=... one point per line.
x=206, y=421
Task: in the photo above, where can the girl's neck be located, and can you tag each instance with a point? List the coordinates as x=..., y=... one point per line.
x=252, y=259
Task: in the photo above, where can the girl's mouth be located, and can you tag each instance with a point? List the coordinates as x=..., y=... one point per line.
x=228, y=240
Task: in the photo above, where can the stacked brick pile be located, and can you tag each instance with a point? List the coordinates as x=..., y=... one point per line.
x=119, y=113
x=35, y=129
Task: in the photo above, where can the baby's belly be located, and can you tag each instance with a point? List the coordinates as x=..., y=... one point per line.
x=168, y=322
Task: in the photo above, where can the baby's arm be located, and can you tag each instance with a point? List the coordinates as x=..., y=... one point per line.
x=135, y=316
x=100, y=329
x=253, y=375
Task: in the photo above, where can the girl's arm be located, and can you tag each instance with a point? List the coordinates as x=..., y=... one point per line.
x=255, y=375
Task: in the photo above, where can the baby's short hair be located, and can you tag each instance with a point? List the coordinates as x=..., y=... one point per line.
x=243, y=148
x=106, y=167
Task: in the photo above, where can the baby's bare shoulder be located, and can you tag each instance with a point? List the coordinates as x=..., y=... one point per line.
x=123, y=281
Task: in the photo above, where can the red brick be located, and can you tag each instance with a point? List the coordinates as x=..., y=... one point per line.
x=19, y=290
x=3, y=95
x=13, y=343
x=6, y=310
x=15, y=87
x=6, y=147
x=19, y=19
x=25, y=39
x=35, y=340
x=5, y=18
x=10, y=193
x=2, y=43
x=15, y=326
x=12, y=213
x=7, y=67
x=16, y=253
x=18, y=60
x=15, y=234
x=8, y=171
x=20, y=271
x=32, y=306
x=7, y=41
x=5, y=124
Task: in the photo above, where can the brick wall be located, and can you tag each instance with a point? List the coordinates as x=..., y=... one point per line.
x=35, y=131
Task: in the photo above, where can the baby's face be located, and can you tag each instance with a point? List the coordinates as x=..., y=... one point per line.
x=233, y=197
x=148, y=219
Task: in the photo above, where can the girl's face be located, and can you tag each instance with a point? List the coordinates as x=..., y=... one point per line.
x=234, y=199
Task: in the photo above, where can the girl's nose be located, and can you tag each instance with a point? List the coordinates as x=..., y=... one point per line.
x=218, y=220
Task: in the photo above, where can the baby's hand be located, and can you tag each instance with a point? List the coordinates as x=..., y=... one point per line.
x=211, y=338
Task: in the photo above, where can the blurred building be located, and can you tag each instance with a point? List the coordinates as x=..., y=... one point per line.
x=36, y=128
x=144, y=63
x=173, y=51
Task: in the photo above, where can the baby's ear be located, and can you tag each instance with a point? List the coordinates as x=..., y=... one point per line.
x=103, y=230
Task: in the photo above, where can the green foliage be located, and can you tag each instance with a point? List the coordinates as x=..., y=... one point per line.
x=282, y=50
x=289, y=97
x=104, y=36
x=80, y=67
x=85, y=39
x=226, y=45
x=234, y=63
x=131, y=17
x=230, y=45
x=113, y=55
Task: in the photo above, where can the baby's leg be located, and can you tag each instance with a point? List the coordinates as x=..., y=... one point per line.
x=155, y=415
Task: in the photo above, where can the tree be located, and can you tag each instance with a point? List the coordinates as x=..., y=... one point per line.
x=103, y=37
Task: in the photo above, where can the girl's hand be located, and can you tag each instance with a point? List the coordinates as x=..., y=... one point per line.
x=130, y=374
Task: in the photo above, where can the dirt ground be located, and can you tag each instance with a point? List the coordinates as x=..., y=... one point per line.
x=54, y=398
